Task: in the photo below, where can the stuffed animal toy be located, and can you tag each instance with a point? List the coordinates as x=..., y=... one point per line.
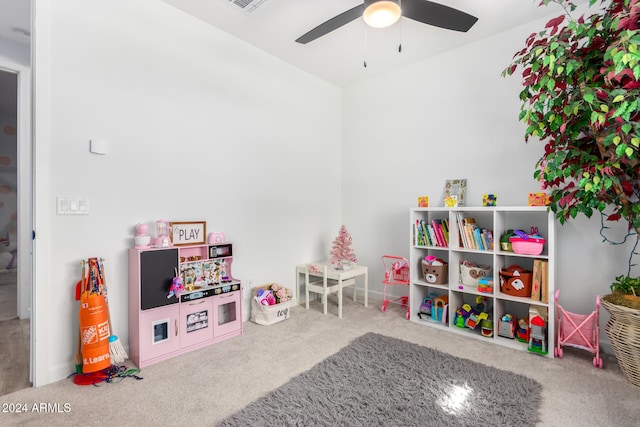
x=177, y=287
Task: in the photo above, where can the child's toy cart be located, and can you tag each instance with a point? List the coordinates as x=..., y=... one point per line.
x=396, y=272
x=579, y=330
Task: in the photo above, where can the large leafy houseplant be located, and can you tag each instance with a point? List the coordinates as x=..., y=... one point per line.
x=581, y=96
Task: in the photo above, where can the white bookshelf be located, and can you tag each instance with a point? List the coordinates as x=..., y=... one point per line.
x=497, y=219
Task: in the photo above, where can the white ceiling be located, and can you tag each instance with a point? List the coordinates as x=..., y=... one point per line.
x=338, y=57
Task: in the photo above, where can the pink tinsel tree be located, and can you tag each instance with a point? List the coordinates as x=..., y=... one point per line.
x=341, y=250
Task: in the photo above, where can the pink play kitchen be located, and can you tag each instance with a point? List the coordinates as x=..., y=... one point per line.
x=182, y=295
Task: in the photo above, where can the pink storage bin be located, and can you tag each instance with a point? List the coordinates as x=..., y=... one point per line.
x=530, y=246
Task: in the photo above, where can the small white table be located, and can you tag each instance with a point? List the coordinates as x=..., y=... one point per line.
x=353, y=272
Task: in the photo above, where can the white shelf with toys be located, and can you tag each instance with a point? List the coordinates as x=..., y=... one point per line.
x=465, y=280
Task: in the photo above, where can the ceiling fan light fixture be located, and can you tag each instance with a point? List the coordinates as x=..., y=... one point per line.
x=381, y=13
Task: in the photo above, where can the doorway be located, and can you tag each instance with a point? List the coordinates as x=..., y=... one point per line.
x=14, y=308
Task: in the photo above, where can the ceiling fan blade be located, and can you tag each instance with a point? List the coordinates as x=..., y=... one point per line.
x=332, y=24
x=437, y=15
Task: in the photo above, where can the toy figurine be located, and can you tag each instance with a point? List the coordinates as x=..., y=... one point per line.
x=176, y=287
x=522, y=333
x=486, y=328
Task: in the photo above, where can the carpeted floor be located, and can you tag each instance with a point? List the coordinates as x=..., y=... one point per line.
x=8, y=297
x=209, y=385
x=380, y=380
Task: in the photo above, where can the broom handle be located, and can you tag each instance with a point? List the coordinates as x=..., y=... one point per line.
x=78, y=357
x=102, y=278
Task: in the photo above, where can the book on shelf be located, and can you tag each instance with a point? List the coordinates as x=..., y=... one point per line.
x=432, y=235
x=462, y=235
x=445, y=230
x=425, y=233
x=418, y=236
x=483, y=236
x=469, y=226
x=544, y=282
x=536, y=279
x=437, y=228
x=489, y=236
x=477, y=240
x=471, y=236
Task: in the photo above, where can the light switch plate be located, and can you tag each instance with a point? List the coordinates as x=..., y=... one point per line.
x=72, y=206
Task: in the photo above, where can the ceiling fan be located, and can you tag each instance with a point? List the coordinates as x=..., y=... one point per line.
x=424, y=11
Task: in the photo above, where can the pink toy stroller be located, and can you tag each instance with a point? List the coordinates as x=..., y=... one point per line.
x=396, y=272
x=579, y=330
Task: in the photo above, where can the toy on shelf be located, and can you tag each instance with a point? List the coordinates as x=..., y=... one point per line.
x=515, y=281
x=538, y=335
x=472, y=321
x=177, y=287
x=527, y=244
x=481, y=303
x=439, y=311
x=435, y=270
x=522, y=333
x=142, y=238
x=485, y=285
x=162, y=239
x=507, y=326
x=426, y=308
x=471, y=273
x=537, y=330
x=579, y=330
x=470, y=317
x=486, y=328
x=463, y=314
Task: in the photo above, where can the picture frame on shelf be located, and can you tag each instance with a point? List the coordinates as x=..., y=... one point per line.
x=454, y=192
x=489, y=200
x=188, y=233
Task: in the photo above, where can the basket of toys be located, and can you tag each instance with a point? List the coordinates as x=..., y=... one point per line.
x=527, y=244
x=270, y=304
x=515, y=281
x=471, y=273
x=435, y=270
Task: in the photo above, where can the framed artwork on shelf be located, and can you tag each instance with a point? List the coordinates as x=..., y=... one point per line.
x=489, y=200
x=454, y=191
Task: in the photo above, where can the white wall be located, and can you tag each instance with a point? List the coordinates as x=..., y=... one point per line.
x=454, y=116
x=199, y=125
x=12, y=52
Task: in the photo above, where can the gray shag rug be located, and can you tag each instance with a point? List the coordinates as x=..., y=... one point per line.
x=379, y=380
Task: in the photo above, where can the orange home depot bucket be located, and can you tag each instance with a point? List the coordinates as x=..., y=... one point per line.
x=94, y=333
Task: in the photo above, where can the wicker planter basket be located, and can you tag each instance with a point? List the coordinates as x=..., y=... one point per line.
x=623, y=330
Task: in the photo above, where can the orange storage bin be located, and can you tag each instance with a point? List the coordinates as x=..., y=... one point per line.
x=515, y=281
